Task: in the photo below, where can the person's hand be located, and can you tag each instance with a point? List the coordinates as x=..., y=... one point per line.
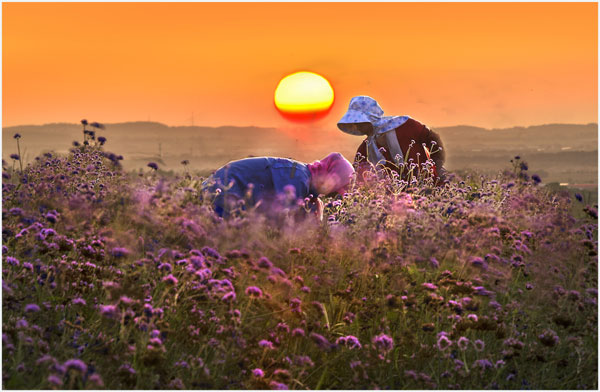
x=319, y=210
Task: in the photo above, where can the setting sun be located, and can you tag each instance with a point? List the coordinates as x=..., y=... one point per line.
x=303, y=96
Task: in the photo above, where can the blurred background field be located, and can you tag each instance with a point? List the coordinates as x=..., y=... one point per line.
x=564, y=154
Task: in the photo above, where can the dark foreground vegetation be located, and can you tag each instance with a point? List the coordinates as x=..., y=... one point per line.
x=122, y=281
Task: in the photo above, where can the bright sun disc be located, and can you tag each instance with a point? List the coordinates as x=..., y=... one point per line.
x=303, y=96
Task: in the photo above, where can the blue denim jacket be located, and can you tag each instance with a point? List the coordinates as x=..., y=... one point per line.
x=268, y=175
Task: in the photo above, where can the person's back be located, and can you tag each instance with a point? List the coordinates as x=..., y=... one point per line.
x=260, y=178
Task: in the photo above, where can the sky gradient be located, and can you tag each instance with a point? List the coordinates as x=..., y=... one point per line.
x=483, y=64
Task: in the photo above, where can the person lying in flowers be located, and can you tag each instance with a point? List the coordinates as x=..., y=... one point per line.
x=265, y=180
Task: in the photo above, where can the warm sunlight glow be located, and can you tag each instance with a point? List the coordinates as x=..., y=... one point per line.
x=303, y=96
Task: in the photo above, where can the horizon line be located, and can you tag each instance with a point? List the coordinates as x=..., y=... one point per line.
x=276, y=127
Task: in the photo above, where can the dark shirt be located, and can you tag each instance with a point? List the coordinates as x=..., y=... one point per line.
x=406, y=133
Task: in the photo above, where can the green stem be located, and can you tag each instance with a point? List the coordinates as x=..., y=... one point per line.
x=20, y=157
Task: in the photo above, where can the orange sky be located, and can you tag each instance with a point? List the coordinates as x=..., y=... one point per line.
x=485, y=64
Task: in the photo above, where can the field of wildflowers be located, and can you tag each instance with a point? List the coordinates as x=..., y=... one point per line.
x=130, y=281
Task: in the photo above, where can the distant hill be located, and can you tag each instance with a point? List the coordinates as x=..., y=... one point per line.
x=551, y=149
x=549, y=138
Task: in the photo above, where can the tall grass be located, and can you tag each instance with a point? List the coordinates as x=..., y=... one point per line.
x=122, y=281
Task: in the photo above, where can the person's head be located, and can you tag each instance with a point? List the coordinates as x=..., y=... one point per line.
x=362, y=112
x=331, y=174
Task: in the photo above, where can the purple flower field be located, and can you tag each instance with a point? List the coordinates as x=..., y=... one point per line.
x=115, y=280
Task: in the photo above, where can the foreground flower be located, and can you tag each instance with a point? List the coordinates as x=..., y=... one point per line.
x=32, y=308
x=349, y=341
x=55, y=380
x=229, y=296
x=170, y=279
x=277, y=385
x=479, y=345
x=258, y=373
x=76, y=364
x=443, y=343
x=548, y=338
x=120, y=252
x=263, y=262
x=254, y=291
x=484, y=364
x=266, y=344
x=383, y=342
x=321, y=341
x=109, y=311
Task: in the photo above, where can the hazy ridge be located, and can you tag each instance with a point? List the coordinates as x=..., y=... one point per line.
x=558, y=152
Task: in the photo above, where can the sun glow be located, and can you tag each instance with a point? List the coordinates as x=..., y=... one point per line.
x=304, y=96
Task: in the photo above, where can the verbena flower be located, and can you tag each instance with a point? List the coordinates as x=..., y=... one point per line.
x=110, y=311
x=253, y=291
x=76, y=364
x=349, y=341
x=170, y=279
x=462, y=343
x=32, y=308
x=55, y=380
x=320, y=341
x=120, y=252
x=258, y=373
x=277, y=385
x=263, y=262
x=484, y=364
x=479, y=345
x=548, y=338
x=383, y=342
x=303, y=361
x=479, y=262
x=266, y=344
x=443, y=343
x=229, y=297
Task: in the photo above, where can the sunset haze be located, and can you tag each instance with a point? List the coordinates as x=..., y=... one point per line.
x=484, y=64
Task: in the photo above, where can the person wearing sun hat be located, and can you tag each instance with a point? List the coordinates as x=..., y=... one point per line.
x=404, y=140
x=265, y=178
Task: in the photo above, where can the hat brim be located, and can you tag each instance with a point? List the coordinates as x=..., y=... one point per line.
x=353, y=117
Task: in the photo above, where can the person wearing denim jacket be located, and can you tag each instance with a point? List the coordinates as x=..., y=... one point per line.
x=264, y=179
